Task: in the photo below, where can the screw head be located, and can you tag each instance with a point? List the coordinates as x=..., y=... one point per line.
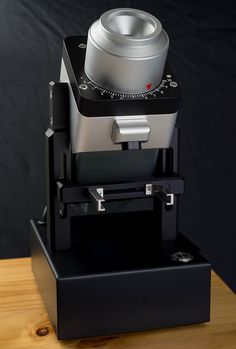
x=83, y=87
x=182, y=257
x=82, y=45
x=173, y=84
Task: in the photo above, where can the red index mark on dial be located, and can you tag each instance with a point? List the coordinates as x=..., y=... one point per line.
x=148, y=86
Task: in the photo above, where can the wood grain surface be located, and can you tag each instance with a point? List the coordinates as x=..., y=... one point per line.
x=24, y=322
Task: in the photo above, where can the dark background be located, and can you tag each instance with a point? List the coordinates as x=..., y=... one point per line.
x=202, y=55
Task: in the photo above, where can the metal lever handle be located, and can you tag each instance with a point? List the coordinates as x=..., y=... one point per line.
x=130, y=130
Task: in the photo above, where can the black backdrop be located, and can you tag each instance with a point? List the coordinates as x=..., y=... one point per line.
x=202, y=55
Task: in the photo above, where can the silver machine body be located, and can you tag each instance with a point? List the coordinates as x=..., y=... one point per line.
x=125, y=54
x=94, y=134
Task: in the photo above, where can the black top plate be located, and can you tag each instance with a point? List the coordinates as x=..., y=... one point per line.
x=93, y=100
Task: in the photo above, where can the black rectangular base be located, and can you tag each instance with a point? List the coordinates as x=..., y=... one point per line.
x=100, y=288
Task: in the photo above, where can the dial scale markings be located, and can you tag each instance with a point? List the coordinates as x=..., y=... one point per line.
x=161, y=89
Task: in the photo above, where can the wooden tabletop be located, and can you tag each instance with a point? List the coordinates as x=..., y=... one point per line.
x=24, y=321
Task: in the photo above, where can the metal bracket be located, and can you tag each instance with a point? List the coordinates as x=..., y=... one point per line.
x=148, y=189
x=172, y=198
x=97, y=198
x=162, y=194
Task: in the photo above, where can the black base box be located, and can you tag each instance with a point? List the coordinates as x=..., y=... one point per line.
x=103, y=287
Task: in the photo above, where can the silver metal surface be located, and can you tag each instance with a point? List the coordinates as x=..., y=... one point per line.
x=96, y=196
x=130, y=130
x=91, y=134
x=126, y=51
x=183, y=257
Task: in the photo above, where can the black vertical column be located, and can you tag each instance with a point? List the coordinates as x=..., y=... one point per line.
x=170, y=213
x=58, y=165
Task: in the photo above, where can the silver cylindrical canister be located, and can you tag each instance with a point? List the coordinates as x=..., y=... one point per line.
x=126, y=51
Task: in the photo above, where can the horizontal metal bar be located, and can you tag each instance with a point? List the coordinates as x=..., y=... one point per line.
x=69, y=193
